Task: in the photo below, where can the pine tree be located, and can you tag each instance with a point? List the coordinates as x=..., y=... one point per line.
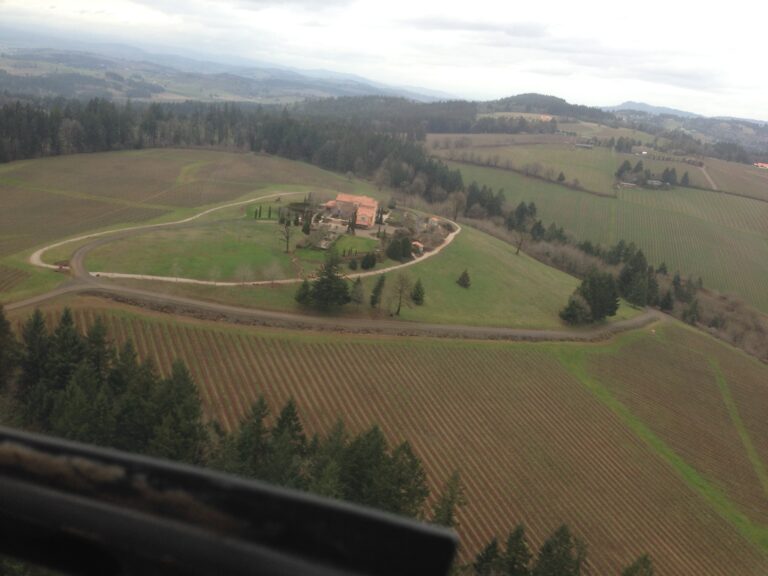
x=667, y=302
x=561, y=555
x=464, y=280
x=181, y=434
x=253, y=444
x=685, y=180
x=356, y=295
x=362, y=464
x=487, y=560
x=67, y=350
x=304, y=293
x=418, y=293
x=378, y=290
x=450, y=499
x=402, y=487
x=33, y=386
x=9, y=351
x=516, y=560
x=330, y=289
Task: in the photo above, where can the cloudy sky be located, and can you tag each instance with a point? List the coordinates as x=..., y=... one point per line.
x=703, y=57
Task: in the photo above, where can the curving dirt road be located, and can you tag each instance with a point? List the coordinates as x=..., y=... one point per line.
x=85, y=282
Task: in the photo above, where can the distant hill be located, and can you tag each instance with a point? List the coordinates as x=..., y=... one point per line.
x=544, y=104
x=123, y=73
x=650, y=109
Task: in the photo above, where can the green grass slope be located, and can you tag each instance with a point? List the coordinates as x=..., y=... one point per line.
x=722, y=238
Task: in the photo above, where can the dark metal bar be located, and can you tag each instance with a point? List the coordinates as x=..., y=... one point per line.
x=91, y=510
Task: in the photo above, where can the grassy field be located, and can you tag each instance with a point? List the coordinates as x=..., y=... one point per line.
x=739, y=178
x=543, y=433
x=54, y=198
x=240, y=250
x=722, y=238
x=530, y=296
x=593, y=168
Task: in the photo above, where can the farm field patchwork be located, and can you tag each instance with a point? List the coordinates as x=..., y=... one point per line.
x=722, y=238
x=540, y=439
x=593, y=168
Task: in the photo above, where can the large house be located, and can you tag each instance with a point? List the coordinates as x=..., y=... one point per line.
x=346, y=205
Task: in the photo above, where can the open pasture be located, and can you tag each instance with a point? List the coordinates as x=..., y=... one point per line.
x=593, y=168
x=722, y=238
x=741, y=179
x=60, y=196
x=538, y=439
x=507, y=289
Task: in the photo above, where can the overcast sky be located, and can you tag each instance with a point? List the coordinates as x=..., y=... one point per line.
x=707, y=58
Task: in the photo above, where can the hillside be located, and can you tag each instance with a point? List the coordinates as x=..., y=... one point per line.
x=542, y=433
x=137, y=75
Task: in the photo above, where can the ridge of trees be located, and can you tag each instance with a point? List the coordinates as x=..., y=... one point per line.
x=37, y=128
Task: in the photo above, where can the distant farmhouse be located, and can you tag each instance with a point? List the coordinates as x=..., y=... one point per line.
x=345, y=206
x=762, y=165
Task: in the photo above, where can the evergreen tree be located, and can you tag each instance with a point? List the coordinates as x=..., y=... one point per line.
x=464, y=281
x=362, y=467
x=378, y=290
x=516, y=560
x=330, y=289
x=667, y=302
x=685, y=180
x=561, y=555
x=537, y=230
x=640, y=567
x=576, y=311
x=450, y=499
x=67, y=350
x=394, y=250
x=181, y=434
x=368, y=261
x=98, y=350
x=403, y=484
x=487, y=560
x=356, y=295
x=252, y=445
x=691, y=314
x=284, y=464
x=33, y=386
x=325, y=476
x=599, y=291
x=662, y=269
x=9, y=351
x=132, y=386
x=304, y=293
x=561, y=177
x=418, y=293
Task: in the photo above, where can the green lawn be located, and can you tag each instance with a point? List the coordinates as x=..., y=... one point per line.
x=241, y=250
x=507, y=290
x=357, y=244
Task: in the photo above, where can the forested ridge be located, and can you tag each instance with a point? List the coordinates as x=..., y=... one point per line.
x=37, y=128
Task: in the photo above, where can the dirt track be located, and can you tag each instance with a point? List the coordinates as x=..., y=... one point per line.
x=83, y=282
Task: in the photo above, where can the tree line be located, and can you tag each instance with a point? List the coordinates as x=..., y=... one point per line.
x=33, y=128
